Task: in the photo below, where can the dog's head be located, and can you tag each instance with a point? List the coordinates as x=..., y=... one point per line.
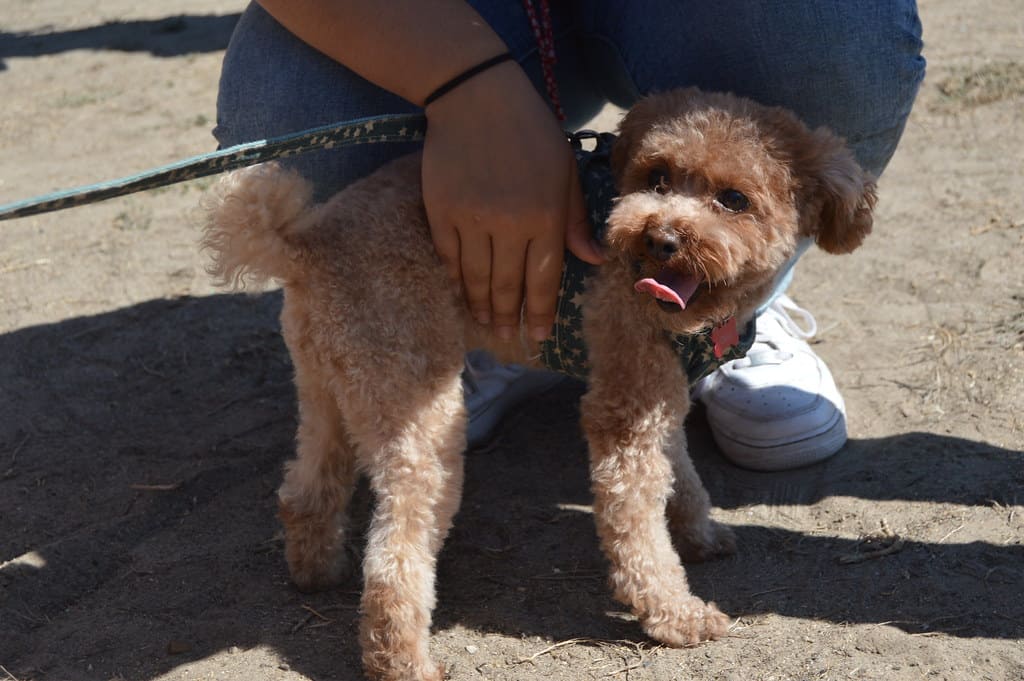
x=716, y=192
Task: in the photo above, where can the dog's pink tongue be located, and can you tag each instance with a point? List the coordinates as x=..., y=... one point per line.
x=669, y=286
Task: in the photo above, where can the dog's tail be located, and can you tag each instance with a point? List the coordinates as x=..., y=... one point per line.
x=251, y=220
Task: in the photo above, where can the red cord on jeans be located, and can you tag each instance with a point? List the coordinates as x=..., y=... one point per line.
x=545, y=36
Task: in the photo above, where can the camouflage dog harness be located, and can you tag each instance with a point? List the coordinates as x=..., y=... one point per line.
x=564, y=351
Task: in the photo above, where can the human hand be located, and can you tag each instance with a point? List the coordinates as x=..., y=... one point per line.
x=503, y=199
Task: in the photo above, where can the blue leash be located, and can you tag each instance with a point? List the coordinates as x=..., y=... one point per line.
x=389, y=128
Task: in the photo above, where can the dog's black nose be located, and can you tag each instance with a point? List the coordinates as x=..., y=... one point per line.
x=662, y=243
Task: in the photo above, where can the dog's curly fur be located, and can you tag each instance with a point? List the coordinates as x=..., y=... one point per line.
x=377, y=334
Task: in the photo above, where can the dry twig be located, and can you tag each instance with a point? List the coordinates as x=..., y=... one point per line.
x=6, y=269
x=556, y=646
x=894, y=545
x=314, y=614
x=570, y=576
x=9, y=675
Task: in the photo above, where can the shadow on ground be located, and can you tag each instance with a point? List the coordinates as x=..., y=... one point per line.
x=168, y=37
x=140, y=451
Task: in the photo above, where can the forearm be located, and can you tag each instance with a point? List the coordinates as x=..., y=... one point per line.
x=408, y=47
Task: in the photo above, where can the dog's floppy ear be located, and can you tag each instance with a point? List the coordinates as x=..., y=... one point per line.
x=842, y=195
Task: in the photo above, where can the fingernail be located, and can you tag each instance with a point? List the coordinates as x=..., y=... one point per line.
x=482, y=317
x=505, y=332
x=539, y=333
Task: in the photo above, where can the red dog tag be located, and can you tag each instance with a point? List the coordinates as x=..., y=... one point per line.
x=725, y=336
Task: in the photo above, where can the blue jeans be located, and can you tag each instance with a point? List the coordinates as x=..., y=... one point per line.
x=852, y=66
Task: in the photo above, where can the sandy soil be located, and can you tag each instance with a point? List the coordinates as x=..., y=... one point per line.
x=144, y=416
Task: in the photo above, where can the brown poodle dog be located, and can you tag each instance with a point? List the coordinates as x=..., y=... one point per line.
x=715, y=192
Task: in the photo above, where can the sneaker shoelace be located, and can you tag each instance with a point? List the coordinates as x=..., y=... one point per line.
x=785, y=310
x=782, y=314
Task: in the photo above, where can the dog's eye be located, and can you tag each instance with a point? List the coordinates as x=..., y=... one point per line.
x=658, y=180
x=733, y=200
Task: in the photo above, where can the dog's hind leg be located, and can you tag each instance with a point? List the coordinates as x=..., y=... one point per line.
x=409, y=426
x=318, y=484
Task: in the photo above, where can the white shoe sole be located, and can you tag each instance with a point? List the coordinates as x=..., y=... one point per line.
x=817, y=446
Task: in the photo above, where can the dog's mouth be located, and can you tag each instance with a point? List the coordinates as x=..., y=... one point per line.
x=671, y=289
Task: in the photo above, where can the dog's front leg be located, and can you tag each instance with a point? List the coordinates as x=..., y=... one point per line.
x=697, y=537
x=631, y=414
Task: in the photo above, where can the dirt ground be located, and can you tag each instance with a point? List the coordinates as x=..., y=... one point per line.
x=145, y=416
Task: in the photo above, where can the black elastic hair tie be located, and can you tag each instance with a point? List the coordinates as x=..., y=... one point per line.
x=466, y=75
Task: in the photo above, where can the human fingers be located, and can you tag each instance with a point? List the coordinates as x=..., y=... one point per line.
x=508, y=257
x=579, y=233
x=447, y=244
x=495, y=164
x=476, y=254
x=543, y=277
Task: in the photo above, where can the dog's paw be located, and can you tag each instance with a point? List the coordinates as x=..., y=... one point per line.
x=394, y=638
x=311, y=572
x=692, y=622
x=428, y=672
x=315, y=549
x=705, y=541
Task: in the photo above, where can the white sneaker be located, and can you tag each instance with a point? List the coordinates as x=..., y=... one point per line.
x=778, y=407
x=491, y=389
